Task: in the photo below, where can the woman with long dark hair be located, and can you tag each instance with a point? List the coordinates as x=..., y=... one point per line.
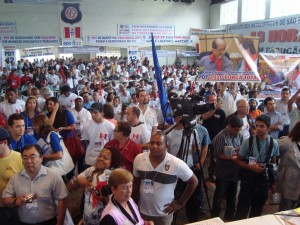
x=288, y=182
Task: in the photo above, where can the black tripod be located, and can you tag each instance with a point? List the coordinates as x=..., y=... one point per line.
x=189, y=129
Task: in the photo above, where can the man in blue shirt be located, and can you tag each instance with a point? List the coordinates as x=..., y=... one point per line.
x=18, y=138
x=255, y=153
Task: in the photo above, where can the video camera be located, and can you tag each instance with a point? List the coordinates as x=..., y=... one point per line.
x=189, y=105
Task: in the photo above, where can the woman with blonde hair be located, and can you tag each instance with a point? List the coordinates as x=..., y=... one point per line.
x=31, y=111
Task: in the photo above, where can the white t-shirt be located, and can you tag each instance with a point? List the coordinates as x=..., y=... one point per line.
x=245, y=129
x=229, y=103
x=7, y=108
x=81, y=118
x=165, y=175
x=98, y=134
x=140, y=134
x=283, y=110
x=149, y=118
x=68, y=102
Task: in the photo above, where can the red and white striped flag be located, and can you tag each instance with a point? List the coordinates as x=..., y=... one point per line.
x=72, y=32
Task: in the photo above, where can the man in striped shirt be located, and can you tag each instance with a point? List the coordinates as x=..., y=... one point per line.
x=225, y=146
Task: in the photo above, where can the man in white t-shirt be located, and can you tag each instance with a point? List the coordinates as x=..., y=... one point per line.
x=229, y=98
x=148, y=115
x=80, y=114
x=11, y=105
x=67, y=99
x=139, y=133
x=155, y=178
x=96, y=133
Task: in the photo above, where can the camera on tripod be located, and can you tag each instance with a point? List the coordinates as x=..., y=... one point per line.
x=189, y=107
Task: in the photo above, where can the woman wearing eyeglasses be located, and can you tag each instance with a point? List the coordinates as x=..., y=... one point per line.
x=121, y=209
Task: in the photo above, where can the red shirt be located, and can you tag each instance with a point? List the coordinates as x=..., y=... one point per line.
x=129, y=152
x=13, y=81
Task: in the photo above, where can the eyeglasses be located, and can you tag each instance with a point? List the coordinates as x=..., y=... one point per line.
x=31, y=157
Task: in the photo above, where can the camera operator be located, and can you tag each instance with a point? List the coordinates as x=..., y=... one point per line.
x=195, y=205
x=255, y=153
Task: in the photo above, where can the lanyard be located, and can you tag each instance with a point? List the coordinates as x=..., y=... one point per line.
x=134, y=220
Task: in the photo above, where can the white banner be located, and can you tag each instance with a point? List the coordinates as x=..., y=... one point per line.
x=99, y=40
x=139, y=30
x=7, y=28
x=41, y=40
x=36, y=52
x=160, y=53
x=10, y=55
x=280, y=35
x=196, y=31
x=168, y=39
x=132, y=53
x=72, y=42
x=234, y=76
x=183, y=53
x=82, y=50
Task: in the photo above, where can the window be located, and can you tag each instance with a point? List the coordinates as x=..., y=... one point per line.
x=290, y=7
x=253, y=10
x=229, y=13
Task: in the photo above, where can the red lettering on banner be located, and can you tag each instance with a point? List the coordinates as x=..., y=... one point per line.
x=261, y=35
x=289, y=35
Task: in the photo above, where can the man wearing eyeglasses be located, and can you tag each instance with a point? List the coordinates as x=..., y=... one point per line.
x=35, y=190
x=10, y=163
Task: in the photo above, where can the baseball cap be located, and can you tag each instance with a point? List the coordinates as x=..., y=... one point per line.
x=79, y=97
x=4, y=135
x=96, y=107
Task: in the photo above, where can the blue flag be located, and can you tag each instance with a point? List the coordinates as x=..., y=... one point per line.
x=165, y=108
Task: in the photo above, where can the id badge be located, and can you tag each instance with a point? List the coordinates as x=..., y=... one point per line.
x=98, y=146
x=77, y=124
x=32, y=205
x=252, y=160
x=148, y=187
x=30, y=131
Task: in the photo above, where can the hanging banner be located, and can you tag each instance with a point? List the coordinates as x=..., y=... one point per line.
x=1, y=53
x=7, y=28
x=99, y=40
x=279, y=35
x=183, y=53
x=84, y=49
x=37, y=40
x=229, y=56
x=168, y=39
x=160, y=53
x=139, y=30
x=132, y=53
x=195, y=31
x=36, y=52
x=72, y=42
x=10, y=55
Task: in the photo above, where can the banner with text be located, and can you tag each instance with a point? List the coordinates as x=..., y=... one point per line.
x=279, y=35
x=72, y=42
x=160, y=53
x=232, y=56
x=132, y=53
x=7, y=28
x=196, y=31
x=36, y=52
x=37, y=40
x=139, y=30
x=10, y=55
x=99, y=40
x=83, y=49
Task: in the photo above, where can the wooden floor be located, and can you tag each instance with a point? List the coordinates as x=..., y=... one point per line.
x=74, y=200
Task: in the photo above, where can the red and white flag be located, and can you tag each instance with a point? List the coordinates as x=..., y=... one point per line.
x=72, y=32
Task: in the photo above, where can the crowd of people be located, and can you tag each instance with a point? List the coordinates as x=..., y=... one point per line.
x=111, y=110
